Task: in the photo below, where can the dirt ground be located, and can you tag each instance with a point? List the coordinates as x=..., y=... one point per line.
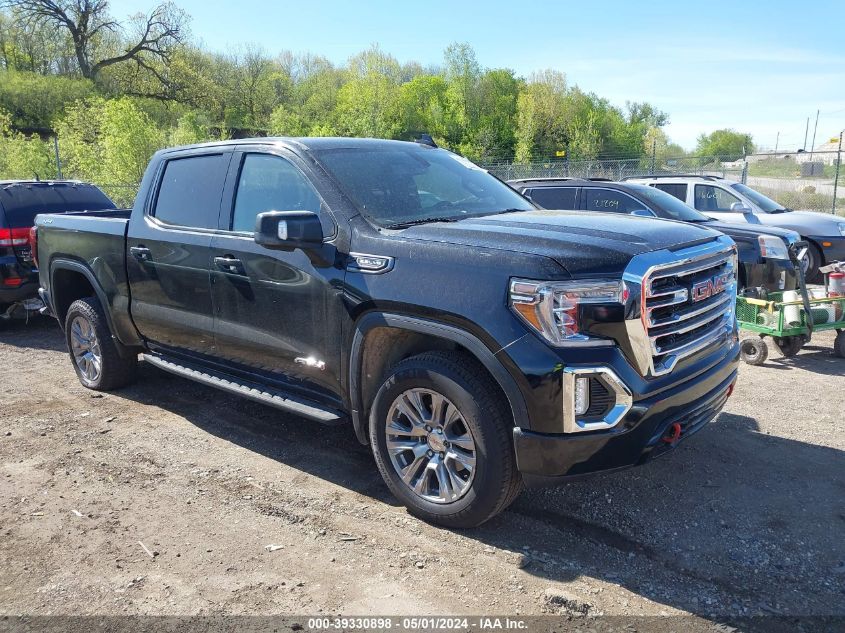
x=170, y=498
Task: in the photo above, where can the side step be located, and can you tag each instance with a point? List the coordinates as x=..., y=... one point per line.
x=253, y=391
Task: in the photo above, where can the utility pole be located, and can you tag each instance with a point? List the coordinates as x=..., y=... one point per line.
x=653, y=155
x=838, y=165
x=806, y=131
x=777, y=140
x=815, y=129
x=58, y=160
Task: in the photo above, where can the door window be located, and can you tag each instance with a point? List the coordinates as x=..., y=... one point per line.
x=270, y=183
x=190, y=190
x=554, y=197
x=609, y=200
x=679, y=190
x=712, y=198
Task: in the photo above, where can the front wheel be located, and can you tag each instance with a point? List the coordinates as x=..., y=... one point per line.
x=839, y=344
x=814, y=260
x=94, y=352
x=441, y=435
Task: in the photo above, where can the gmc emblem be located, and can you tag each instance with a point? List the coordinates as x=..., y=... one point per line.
x=708, y=288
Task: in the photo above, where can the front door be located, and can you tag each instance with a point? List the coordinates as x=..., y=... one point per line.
x=716, y=202
x=169, y=254
x=276, y=312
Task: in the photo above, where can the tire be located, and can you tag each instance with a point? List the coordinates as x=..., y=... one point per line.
x=815, y=260
x=839, y=344
x=753, y=351
x=94, y=353
x=789, y=345
x=472, y=412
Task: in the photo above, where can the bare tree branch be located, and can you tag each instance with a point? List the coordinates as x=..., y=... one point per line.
x=87, y=20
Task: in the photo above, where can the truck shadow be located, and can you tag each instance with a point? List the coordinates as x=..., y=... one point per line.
x=734, y=522
x=39, y=332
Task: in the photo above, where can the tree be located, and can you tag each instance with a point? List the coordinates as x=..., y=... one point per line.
x=727, y=144
x=89, y=24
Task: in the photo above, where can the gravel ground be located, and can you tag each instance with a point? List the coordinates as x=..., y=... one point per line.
x=170, y=498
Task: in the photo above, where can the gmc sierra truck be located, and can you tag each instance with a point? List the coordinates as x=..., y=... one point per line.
x=473, y=340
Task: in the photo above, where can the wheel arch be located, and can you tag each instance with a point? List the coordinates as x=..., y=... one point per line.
x=69, y=281
x=405, y=336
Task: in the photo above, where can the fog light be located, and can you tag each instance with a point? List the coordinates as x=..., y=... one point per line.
x=582, y=395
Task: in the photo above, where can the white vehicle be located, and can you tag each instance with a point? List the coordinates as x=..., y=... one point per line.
x=731, y=201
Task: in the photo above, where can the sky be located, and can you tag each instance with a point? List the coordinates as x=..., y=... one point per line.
x=759, y=67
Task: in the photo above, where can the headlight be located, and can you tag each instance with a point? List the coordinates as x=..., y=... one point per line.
x=773, y=247
x=841, y=227
x=551, y=307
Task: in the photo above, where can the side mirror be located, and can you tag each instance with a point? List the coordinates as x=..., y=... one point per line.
x=738, y=207
x=287, y=230
x=643, y=213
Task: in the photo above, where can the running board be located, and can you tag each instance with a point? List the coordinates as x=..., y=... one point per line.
x=277, y=399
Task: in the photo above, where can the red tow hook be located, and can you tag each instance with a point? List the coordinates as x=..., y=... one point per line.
x=674, y=434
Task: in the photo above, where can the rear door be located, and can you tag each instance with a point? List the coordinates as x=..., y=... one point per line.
x=677, y=189
x=169, y=253
x=277, y=313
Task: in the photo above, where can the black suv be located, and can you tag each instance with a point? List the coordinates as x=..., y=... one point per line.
x=20, y=202
x=763, y=251
x=473, y=340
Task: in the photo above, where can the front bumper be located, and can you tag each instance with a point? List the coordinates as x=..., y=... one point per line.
x=836, y=249
x=547, y=458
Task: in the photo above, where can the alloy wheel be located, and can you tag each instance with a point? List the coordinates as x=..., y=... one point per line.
x=85, y=348
x=430, y=445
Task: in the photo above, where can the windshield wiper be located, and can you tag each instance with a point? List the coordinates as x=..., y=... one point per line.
x=407, y=223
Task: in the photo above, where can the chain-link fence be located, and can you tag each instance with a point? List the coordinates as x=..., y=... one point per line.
x=799, y=180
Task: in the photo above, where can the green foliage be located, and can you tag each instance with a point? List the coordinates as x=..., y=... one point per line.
x=34, y=101
x=108, y=127
x=23, y=156
x=726, y=144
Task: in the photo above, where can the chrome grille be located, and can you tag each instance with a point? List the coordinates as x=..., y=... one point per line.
x=686, y=305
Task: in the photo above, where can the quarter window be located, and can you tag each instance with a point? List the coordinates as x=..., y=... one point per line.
x=270, y=183
x=609, y=200
x=554, y=197
x=190, y=190
x=712, y=198
x=679, y=190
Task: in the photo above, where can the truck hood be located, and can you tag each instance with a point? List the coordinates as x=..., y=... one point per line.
x=804, y=222
x=594, y=244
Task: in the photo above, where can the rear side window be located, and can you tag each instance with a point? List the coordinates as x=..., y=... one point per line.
x=712, y=198
x=610, y=200
x=190, y=191
x=22, y=202
x=554, y=197
x=679, y=190
x=270, y=183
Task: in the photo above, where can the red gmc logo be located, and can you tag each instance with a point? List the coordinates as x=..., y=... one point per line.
x=706, y=289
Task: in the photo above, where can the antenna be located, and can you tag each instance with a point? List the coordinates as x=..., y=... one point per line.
x=425, y=139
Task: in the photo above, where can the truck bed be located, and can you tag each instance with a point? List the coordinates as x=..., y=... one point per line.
x=92, y=240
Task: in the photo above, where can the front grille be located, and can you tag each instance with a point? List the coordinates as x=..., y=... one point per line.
x=688, y=305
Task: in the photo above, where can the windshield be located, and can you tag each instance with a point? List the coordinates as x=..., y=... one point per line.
x=400, y=184
x=767, y=205
x=669, y=204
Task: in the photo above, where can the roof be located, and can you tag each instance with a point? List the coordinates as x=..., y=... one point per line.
x=306, y=142
x=672, y=176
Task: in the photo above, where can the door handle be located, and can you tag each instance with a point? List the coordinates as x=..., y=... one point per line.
x=141, y=253
x=229, y=264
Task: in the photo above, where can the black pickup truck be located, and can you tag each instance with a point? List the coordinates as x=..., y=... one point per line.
x=475, y=341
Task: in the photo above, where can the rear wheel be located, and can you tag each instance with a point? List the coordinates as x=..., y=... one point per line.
x=441, y=434
x=96, y=358
x=789, y=345
x=753, y=351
